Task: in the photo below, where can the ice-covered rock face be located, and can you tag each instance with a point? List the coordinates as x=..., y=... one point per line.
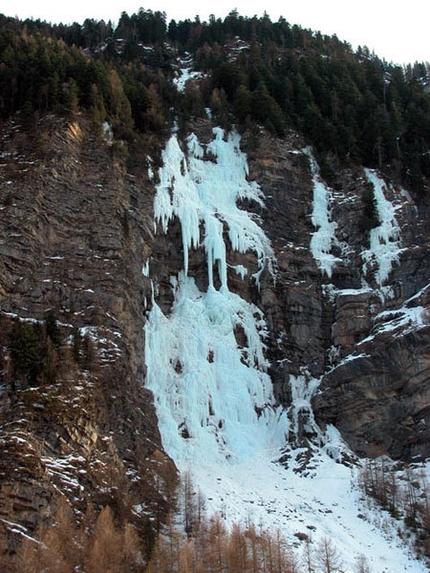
x=384, y=239
x=213, y=396
x=324, y=238
x=384, y=248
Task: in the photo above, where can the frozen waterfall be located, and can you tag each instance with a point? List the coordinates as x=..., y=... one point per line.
x=214, y=399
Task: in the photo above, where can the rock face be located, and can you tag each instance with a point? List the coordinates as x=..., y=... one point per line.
x=77, y=233
x=368, y=343
x=76, y=228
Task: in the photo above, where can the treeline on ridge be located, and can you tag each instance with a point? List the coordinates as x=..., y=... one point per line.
x=352, y=106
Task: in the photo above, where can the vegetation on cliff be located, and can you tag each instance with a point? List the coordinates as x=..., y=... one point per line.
x=352, y=106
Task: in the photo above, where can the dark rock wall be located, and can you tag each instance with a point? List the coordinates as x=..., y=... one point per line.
x=322, y=326
x=76, y=229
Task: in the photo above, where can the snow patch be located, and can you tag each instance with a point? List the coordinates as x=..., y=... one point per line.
x=186, y=74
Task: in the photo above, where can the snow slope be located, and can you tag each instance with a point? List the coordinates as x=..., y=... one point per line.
x=214, y=400
x=324, y=503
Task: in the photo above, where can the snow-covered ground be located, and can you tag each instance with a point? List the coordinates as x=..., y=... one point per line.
x=214, y=400
x=324, y=503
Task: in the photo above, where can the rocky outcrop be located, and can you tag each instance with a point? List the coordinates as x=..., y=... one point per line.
x=366, y=342
x=378, y=395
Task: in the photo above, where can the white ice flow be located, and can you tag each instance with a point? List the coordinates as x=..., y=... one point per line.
x=324, y=238
x=186, y=73
x=384, y=239
x=198, y=191
x=213, y=397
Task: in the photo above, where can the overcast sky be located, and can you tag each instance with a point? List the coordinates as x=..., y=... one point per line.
x=397, y=31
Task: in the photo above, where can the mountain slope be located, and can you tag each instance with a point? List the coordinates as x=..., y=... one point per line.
x=190, y=276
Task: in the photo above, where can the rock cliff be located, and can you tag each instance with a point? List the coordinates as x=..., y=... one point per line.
x=367, y=342
x=76, y=227
x=77, y=232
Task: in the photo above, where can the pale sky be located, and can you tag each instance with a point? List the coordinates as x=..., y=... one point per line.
x=394, y=30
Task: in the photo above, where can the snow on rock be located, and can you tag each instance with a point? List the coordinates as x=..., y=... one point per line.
x=186, y=73
x=399, y=322
x=385, y=238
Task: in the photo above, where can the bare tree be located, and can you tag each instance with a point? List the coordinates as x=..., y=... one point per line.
x=190, y=504
x=218, y=538
x=237, y=551
x=410, y=498
x=361, y=564
x=308, y=557
x=107, y=549
x=328, y=557
x=55, y=548
x=252, y=537
x=188, y=557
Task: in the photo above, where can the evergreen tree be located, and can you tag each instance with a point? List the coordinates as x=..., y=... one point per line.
x=351, y=104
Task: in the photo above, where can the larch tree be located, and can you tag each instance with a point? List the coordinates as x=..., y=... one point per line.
x=328, y=557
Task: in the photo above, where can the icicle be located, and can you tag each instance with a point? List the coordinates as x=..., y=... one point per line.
x=198, y=191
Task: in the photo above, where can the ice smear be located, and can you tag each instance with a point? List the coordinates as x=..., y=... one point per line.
x=303, y=388
x=324, y=238
x=304, y=432
x=384, y=248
